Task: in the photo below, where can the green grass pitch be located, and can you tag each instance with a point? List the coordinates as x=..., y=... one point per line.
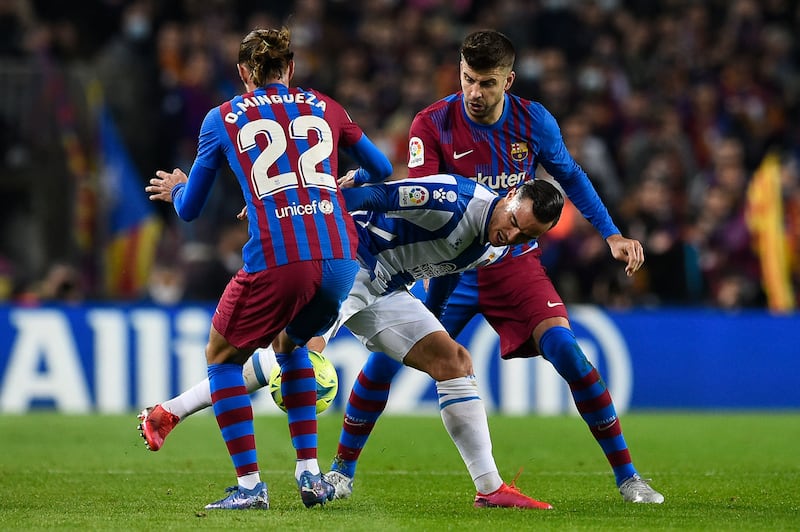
x=718, y=471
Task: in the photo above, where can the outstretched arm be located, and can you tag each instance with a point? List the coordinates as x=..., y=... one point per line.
x=188, y=194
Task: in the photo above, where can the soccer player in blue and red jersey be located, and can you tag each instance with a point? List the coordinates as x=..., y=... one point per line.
x=498, y=139
x=300, y=260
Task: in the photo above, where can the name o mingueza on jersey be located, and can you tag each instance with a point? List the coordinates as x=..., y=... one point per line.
x=306, y=98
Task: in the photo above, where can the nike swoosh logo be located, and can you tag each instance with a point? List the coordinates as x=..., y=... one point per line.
x=460, y=155
x=551, y=304
x=606, y=427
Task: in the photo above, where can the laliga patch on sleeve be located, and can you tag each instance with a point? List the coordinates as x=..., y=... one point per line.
x=413, y=196
x=416, y=152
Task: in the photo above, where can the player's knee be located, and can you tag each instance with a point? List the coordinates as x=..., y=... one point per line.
x=454, y=363
x=440, y=356
x=560, y=348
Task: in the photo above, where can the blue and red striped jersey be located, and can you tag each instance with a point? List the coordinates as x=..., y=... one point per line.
x=443, y=139
x=282, y=144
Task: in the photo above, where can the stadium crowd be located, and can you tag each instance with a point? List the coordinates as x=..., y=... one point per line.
x=670, y=106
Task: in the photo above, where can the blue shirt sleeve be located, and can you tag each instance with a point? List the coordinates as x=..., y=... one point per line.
x=375, y=166
x=190, y=198
x=366, y=198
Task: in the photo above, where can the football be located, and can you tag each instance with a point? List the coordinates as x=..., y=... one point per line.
x=327, y=382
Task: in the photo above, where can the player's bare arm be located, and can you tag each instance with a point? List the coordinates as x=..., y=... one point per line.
x=627, y=250
x=161, y=186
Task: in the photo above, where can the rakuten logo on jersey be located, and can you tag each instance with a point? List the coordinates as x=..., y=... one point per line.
x=502, y=181
x=324, y=206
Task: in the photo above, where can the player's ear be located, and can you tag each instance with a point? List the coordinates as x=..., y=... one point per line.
x=290, y=73
x=510, y=80
x=244, y=73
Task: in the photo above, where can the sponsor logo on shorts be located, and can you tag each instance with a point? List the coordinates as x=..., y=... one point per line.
x=305, y=209
x=552, y=304
x=416, y=152
x=413, y=196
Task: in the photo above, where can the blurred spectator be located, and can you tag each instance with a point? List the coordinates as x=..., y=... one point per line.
x=167, y=284
x=668, y=105
x=209, y=268
x=127, y=68
x=594, y=157
x=61, y=284
x=720, y=237
x=670, y=273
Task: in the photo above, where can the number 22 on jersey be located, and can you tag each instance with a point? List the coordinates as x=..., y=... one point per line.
x=304, y=171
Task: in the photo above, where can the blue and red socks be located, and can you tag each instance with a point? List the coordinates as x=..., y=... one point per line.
x=367, y=401
x=234, y=413
x=591, y=397
x=299, y=391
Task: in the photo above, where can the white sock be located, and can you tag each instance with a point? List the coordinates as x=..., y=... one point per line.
x=198, y=396
x=310, y=465
x=249, y=480
x=465, y=419
x=256, y=369
x=192, y=400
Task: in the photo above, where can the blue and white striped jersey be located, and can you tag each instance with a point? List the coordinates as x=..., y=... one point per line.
x=421, y=228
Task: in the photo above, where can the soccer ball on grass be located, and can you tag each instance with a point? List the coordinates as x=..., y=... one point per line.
x=327, y=382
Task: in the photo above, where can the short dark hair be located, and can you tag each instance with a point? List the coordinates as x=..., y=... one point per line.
x=487, y=49
x=547, y=200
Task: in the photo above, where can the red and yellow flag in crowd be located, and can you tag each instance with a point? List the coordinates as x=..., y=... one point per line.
x=765, y=219
x=132, y=227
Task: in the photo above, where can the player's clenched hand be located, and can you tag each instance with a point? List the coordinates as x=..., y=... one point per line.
x=161, y=186
x=627, y=250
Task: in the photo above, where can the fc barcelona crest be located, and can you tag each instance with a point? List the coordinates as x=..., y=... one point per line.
x=519, y=151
